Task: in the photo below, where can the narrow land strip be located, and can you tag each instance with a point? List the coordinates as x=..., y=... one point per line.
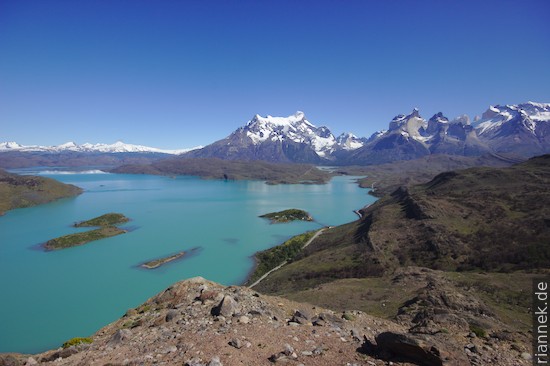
x=285, y=262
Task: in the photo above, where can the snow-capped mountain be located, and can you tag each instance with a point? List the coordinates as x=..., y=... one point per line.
x=295, y=128
x=117, y=147
x=411, y=136
x=522, y=129
x=280, y=139
x=515, y=131
x=348, y=141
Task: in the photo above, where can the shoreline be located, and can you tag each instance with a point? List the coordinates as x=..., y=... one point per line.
x=257, y=261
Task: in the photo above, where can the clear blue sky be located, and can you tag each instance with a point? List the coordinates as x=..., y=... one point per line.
x=175, y=74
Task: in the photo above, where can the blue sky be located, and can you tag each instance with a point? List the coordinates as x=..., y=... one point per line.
x=175, y=74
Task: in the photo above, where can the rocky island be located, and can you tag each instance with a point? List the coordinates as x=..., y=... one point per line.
x=109, y=219
x=106, y=229
x=73, y=240
x=156, y=263
x=289, y=215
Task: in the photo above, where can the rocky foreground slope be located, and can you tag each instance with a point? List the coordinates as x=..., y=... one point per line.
x=197, y=322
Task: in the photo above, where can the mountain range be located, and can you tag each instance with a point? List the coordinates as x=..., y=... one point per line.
x=518, y=131
x=117, y=147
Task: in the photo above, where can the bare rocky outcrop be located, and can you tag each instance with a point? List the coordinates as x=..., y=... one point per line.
x=200, y=323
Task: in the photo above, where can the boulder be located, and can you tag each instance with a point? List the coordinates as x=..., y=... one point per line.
x=227, y=307
x=120, y=336
x=409, y=347
x=171, y=315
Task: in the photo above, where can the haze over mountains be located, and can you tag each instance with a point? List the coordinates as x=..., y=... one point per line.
x=518, y=131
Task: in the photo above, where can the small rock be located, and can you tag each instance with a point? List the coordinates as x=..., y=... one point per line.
x=31, y=361
x=215, y=361
x=471, y=347
x=301, y=317
x=120, y=336
x=288, y=349
x=318, y=351
x=319, y=322
x=244, y=319
x=472, y=335
x=171, y=315
x=277, y=357
x=194, y=362
x=526, y=356
x=307, y=353
x=206, y=296
x=67, y=352
x=355, y=335
x=170, y=349
x=236, y=342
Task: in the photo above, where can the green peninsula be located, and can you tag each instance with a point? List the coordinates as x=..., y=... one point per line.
x=214, y=168
x=109, y=219
x=72, y=240
x=18, y=191
x=155, y=263
x=292, y=214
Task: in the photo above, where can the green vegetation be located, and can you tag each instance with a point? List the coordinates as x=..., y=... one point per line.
x=478, y=331
x=161, y=261
x=287, y=216
x=271, y=258
x=17, y=191
x=212, y=168
x=109, y=219
x=348, y=316
x=386, y=178
x=76, y=341
x=72, y=240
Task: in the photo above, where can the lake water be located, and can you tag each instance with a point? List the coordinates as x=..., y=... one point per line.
x=50, y=297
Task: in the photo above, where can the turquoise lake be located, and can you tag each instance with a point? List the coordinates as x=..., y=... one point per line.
x=50, y=297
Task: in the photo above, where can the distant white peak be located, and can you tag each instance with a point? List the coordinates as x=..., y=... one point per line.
x=280, y=121
x=8, y=145
x=399, y=117
x=347, y=135
x=67, y=145
x=117, y=147
x=348, y=141
x=402, y=120
x=539, y=105
x=379, y=133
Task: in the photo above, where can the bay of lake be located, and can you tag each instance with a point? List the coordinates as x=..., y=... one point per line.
x=50, y=297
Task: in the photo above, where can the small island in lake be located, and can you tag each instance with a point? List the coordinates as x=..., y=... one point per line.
x=72, y=240
x=155, y=263
x=292, y=214
x=109, y=219
x=106, y=229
